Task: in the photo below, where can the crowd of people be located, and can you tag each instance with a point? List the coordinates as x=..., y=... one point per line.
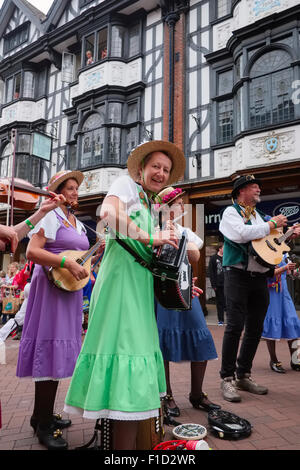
x=119, y=370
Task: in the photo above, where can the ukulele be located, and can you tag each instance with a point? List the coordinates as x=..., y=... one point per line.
x=63, y=279
x=269, y=250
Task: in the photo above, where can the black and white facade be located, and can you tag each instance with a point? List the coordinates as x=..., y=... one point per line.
x=90, y=80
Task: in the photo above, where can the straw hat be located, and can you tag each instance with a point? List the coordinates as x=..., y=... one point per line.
x=168, y=195
x=141, y=151
x=62, y=176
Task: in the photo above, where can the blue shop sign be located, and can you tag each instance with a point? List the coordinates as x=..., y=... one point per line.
x=288, y=207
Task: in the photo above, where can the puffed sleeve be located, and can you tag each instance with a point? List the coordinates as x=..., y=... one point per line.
x=193, y=238
x=49, y=224
x=126, y=190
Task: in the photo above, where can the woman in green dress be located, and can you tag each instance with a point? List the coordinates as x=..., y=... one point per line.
x=119, y=374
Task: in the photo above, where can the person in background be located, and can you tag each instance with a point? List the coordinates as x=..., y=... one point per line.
x=282, y=321
x=16, y=323
x=12, y=270
x=216, y=275
x=2, y=284
x=89, y=57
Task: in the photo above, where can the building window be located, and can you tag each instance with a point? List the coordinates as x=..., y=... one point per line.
x=225, y=121
x=95, y=47
x=27, y=166
x=124, y=43
x=223, y=8
x=4, y=161
x=15, y=38
x=29, y=84
x=117, y=41
x=134, y=41
x=132, y=131
x=106, y=136
x=225, y=82
x=92, y=140
x=270, y=89
x=23, y=85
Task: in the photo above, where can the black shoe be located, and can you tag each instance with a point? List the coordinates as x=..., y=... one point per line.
x=295, y=366
x=199, y=403
x=277, y=367
x=51, y=438
x=168, y=410
x=57, y=422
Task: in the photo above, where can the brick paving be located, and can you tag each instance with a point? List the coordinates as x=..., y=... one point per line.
x=275, y=417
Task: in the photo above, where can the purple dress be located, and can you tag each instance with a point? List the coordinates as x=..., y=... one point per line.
x=51, y=338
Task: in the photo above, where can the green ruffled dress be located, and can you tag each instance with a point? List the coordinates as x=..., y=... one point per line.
x=119, y=373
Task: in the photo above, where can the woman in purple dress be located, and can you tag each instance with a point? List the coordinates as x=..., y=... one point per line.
x=51, y=338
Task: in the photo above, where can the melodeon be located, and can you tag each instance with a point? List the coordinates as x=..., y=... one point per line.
x=173, y=276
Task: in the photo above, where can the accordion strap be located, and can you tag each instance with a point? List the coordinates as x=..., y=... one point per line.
x=133, y=253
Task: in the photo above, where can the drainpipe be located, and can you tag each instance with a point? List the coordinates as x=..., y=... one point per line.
x=171, y=20
x=171, y=11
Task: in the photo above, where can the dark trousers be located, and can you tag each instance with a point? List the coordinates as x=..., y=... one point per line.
x=247, y=301
x=220, y=302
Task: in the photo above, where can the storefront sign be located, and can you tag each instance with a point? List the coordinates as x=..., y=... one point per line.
x=288, y=207
x=41, y=146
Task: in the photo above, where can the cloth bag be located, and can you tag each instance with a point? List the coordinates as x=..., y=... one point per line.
x=10, y=303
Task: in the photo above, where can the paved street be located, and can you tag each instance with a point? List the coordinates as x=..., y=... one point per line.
x=275, y=417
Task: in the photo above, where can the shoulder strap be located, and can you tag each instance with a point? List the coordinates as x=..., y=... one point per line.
x=133, y=253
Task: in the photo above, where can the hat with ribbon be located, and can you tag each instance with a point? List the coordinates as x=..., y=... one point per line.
x=243, y=181
x=168, y=195
x=135, y=159
x=57, y=179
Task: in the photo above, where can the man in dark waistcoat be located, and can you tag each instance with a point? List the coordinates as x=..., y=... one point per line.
x=245, y=286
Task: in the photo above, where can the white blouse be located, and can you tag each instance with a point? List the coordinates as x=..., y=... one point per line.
x=191, y=236
x=127, y=191
x=50, y=224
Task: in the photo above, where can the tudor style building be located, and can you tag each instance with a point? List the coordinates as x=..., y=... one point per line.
x=84, y=84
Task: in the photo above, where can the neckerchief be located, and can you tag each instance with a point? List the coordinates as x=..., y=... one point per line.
x=247, y=210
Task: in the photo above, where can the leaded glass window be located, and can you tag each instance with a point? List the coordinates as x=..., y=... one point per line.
x=270, y=89
x=117, y=41
x=225, y=82
x=134, y=41
x=4, y=161
x=115, y=113
x=223, y=8
x=72, y=157
x=114, y=145
x=22, y=166
x=29, y=83
x=93, y=140
x=225, y=121
x=270, y=62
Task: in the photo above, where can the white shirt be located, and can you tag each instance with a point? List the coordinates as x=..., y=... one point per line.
x=234, y=228
x=127, y=191
x=50, y=224
x=191, y=236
